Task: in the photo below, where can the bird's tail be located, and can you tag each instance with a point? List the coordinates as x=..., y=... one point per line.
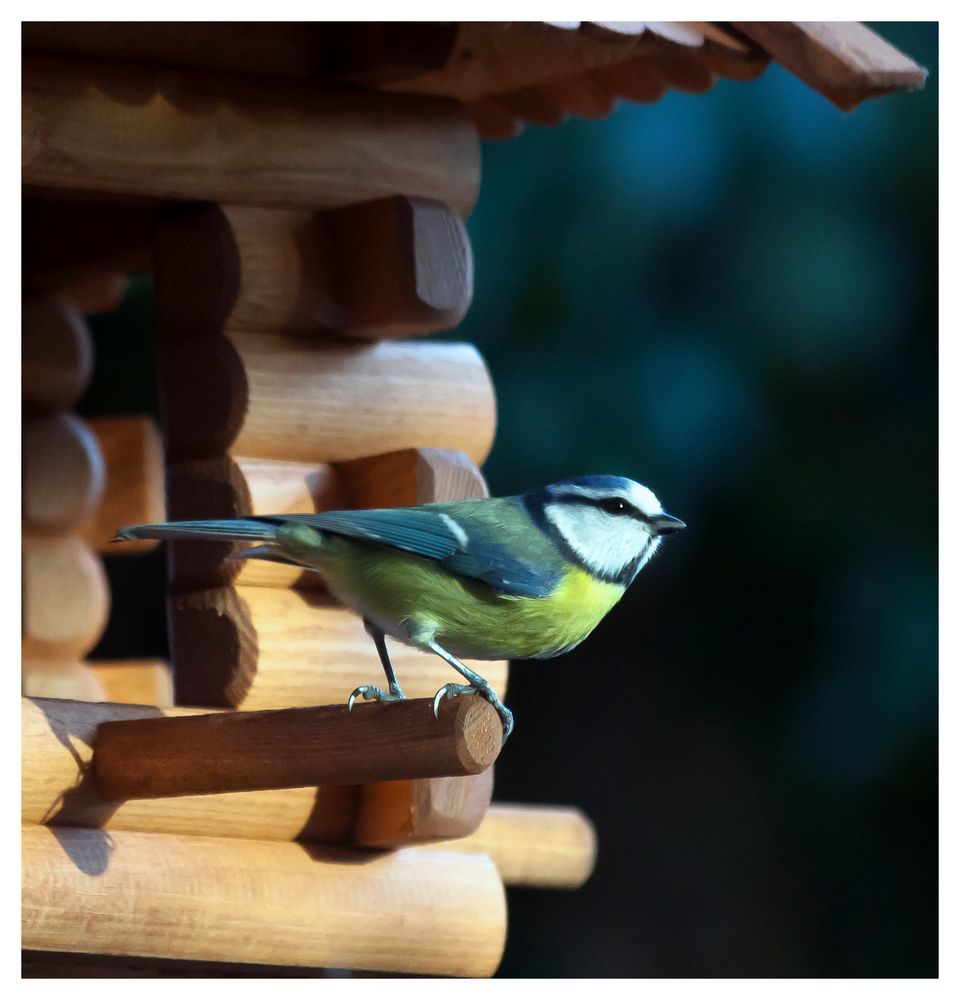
x=238, y=530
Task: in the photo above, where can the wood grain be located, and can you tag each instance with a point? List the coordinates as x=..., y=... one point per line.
x=66, y=599
x=843, y=60
x=63, y=473
x=291, y=748
x=134, y=682
x=405, y=267
x=133, y=492
x=391, y=267
x=546, y=847
x=60, y=679
x=270, y=647
x=395, y=813
x=255, y=901
x=57, y=788
x=129, y=130
x=57, y=353
x=295, y=398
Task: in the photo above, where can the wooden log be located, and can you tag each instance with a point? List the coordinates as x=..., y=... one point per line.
x=405, y=267
x=167, y=896
x=270, y=647
x=124, y=682
x=60, y=679
x=396, y=813
x=539, y=846
x=130, y=130
x=57, y=788
x=66, y=599
x=392, y=267
x=133, y=492
x=277, y=396
x=63, y=474
x=57, y=353
x=241, y=487
x=135, y=682
x=843, y=60
x=294, y=747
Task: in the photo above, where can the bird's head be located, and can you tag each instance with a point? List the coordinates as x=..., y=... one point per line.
x=609, y=525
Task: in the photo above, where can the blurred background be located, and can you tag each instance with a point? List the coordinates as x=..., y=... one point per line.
x=732, y=298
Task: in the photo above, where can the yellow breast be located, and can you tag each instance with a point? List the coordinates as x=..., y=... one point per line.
x=467, y=617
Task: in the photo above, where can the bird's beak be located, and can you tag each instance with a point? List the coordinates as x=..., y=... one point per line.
x=667, y=524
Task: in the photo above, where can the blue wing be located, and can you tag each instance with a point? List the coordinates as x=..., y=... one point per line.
x=433, y=534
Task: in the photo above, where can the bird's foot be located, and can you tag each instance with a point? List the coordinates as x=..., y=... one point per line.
x=485, y=691
x=369, y=692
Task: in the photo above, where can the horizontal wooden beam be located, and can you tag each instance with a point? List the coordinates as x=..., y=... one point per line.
x=58, y=789
x=296, y=398
x=544, y=847
x=290, y=748
x=214, y=899
x=132, y=130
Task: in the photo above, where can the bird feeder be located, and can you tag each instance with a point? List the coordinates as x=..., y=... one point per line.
x=300, y=194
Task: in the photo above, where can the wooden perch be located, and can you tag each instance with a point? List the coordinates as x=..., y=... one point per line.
x=290, y=748
x=132, y=453
x=57, y=353
x=66, y=599
x=130, y=130
x=271, y=647
x=295, y=398
x=58, y=789
x=225, y=900
x=63, y=474
x=239, y=487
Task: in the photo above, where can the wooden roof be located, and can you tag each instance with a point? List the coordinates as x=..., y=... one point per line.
x=508, y=73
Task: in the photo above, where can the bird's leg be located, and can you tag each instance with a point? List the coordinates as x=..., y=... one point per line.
x=370, y=692
x=477, y=685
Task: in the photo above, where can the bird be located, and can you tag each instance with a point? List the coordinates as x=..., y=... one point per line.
x=520, y=577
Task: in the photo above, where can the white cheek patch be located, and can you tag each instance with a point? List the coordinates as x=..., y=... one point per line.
x=606, y=545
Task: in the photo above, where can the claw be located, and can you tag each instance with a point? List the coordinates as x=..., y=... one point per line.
x=458, y=690
x=370, y=692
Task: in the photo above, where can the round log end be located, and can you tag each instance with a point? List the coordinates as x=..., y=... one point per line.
x=479, y=733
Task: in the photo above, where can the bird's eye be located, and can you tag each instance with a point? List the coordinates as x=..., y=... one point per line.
x=615, y=505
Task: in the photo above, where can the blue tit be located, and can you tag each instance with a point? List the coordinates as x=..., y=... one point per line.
x=521, y=577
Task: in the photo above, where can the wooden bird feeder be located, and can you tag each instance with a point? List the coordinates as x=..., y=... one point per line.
x=298, y=192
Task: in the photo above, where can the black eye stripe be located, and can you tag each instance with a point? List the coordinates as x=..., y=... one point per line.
x=629, y=509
